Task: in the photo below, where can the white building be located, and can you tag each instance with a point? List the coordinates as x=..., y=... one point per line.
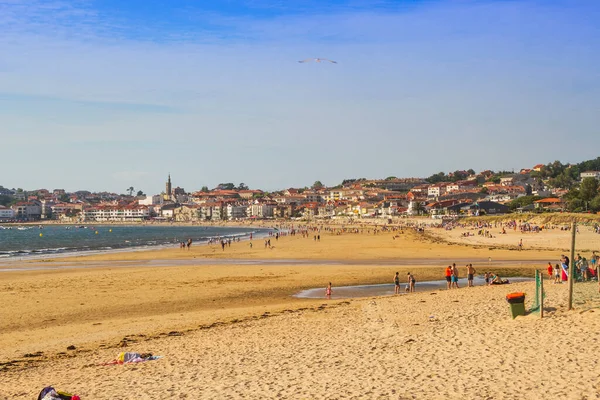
x=236, y=211
x=590, y=174
x=313, y=197
x=261, y=210
x=113, y=213
x=151, y=200
x=217, y=212
x=436, y=190
x=27, y=211
x=214, y=211
x=344, y=194
x=6, y=213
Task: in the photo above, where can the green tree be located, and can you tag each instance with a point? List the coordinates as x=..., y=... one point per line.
x=436, y=178
x=588, y=189
x=484, y=190
x=5, y=200
x=242, y=186
x=226, y=186
x=130, y=190
x=563, y=181
x=419, y=207
x=390, y=178
x=459, y=176
x=575, y=205
x=522, y=201
x=317, y=185
x=140, y=193
x=204, y=189
x=555, y=169
x=595, y=204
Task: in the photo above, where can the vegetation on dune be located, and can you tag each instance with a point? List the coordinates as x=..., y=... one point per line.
x=545, y=218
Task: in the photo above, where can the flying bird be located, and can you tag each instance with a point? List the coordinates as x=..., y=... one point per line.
x=318, y=60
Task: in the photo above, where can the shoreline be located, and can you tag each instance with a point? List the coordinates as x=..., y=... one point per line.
x=39, y=265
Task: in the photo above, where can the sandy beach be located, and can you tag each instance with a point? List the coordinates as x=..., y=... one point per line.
x=231, y=328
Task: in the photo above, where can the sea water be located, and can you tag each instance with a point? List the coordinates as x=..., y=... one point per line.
x=345, y=292
x=21, y=241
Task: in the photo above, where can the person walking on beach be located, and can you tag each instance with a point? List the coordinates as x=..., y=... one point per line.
x=565, y=268
x=328, y=291
x=520, y=244
x=397, y=283
x=454, y=276
x=449, y=277
x=557, y=274
x=411, y=283
x=470, y=273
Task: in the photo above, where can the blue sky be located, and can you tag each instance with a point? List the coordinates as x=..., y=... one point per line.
x=103, y=95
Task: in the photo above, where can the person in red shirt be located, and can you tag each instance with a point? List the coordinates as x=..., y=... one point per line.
x=550, y=269
x=449, y=273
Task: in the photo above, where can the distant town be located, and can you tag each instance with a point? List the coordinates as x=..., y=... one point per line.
x=554, y=187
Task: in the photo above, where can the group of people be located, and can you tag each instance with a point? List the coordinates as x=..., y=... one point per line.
x=410, y=284
x=584, y=270
x=452, y=276
x=184, y=245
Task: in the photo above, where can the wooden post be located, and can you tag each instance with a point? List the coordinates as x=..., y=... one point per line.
x=572, y=265
x=542, y=296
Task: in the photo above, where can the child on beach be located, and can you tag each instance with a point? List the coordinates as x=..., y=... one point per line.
x=328, y=291
x=487, y=278
x=411, y=283
x=557, y=274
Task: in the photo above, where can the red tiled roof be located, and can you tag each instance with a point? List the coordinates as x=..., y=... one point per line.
x=549, y=200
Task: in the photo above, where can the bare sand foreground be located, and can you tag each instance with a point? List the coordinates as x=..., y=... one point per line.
x=233, y=331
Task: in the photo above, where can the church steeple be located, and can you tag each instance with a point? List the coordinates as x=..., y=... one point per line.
x=168, y=191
